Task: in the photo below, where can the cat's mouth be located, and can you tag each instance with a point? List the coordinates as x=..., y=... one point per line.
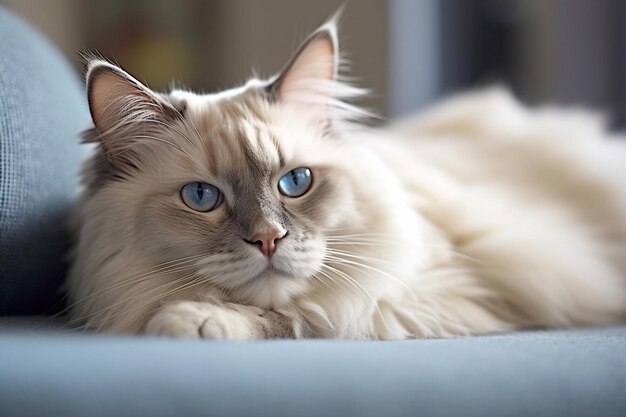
x=272, y=271
x=285, y=265
x=289, y=271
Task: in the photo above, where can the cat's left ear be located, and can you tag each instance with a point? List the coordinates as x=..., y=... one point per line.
x=309, y=79
x=122, y=108
x=115, y=97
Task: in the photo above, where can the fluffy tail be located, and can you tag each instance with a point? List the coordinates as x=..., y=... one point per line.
x=495, y=111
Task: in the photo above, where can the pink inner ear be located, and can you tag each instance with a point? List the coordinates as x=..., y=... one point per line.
x=106, y=97
x=310, y=74
x=115, y=96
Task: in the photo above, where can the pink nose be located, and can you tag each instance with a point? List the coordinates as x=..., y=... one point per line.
x=267, y=241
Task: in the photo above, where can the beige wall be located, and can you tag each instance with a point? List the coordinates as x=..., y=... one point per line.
x=230, y=37
x=263, y=34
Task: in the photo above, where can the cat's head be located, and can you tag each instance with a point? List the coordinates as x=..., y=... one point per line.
x=246, y=189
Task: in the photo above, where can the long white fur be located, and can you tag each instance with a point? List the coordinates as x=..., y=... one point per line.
x=478, y=216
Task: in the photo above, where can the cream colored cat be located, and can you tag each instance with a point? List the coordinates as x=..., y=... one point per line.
x=259, y=213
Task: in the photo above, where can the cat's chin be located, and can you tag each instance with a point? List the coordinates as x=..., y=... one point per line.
x=272, y=272
x=287, y=267
x=276, y=272
x=272, y=288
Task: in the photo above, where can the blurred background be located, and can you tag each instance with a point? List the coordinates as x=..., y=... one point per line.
x=408, y=52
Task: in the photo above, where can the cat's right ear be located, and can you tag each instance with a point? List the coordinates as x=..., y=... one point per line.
x=119, y=104
x=310, y=78
x=311, y=81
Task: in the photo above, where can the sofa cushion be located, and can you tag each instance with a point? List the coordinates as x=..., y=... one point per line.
x=42, y=111
x=568, y=373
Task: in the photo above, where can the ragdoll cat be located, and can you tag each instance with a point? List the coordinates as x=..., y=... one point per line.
x=259, y=212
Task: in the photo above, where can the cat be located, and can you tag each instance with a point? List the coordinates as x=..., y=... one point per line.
x=265, y=211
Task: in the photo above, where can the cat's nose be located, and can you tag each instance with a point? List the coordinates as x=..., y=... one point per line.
x=266, y=241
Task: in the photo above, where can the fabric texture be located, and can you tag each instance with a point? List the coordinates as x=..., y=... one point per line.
x=552, y=373
x=42, y=111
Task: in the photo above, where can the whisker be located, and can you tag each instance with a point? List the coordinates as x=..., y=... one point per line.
x=360, y=257
x=358, y=286
x=148, y=273
x=359, y=265
x=194, y=282
x=127, y=299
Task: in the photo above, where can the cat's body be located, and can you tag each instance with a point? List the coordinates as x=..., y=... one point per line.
x=480, y=216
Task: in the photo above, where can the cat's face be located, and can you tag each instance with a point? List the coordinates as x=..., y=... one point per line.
x=249, y=183
x=253, y=195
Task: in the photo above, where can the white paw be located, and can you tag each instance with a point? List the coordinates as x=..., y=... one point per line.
x=193, y=320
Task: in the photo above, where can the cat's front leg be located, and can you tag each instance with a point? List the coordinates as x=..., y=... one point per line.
x=200, y=320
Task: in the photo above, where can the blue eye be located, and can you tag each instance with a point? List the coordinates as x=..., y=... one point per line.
x=296, y=182
x=201, y=196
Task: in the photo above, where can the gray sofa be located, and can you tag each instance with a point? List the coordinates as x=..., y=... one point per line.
x=47, y=369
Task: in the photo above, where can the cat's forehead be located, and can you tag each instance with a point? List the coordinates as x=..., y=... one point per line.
x=234, y=129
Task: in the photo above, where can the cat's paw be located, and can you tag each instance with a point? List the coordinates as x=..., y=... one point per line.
x=193, y=320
